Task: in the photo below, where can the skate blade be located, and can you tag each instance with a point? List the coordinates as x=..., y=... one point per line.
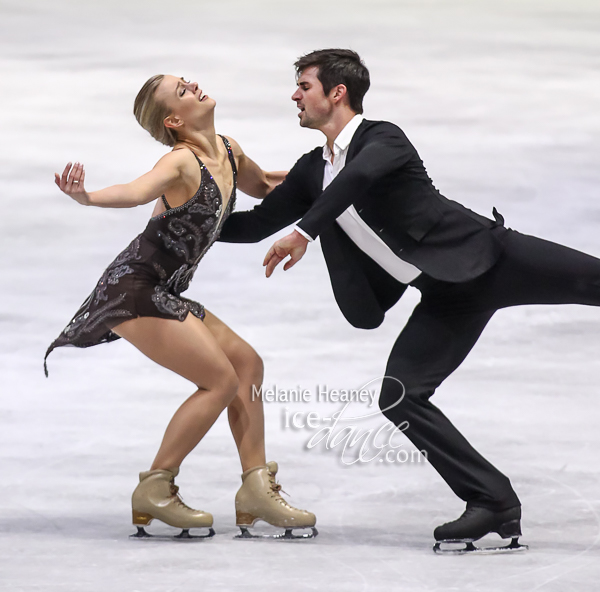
x=287, y=535
x=469, y=547
x=184, y=535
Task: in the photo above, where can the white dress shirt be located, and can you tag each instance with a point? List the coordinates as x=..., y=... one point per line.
x=351, y=223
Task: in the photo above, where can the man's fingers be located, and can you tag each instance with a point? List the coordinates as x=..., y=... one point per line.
x=268, y=256
x=295, y=256
x=280, y=250
x=277, y=250
x=272, y=264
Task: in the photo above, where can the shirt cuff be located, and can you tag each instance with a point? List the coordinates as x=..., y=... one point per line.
x=309, y=238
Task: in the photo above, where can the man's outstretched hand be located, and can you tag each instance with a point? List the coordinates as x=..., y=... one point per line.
x=293, y=245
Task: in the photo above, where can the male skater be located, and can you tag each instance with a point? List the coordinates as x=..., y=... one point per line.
x=384, y=226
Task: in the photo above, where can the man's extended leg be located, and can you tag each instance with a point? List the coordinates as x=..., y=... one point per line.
x=432, y=345
x=533, y=271
x=444, y=328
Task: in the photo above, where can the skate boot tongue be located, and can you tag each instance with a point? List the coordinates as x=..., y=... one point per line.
x=275, y=487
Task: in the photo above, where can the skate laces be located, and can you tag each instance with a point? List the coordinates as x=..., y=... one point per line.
x=277, y=490
x=175, y=494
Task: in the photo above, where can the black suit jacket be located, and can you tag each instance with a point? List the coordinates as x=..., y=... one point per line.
x=385, y=180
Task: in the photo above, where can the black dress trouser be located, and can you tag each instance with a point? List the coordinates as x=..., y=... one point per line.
x=446, y=325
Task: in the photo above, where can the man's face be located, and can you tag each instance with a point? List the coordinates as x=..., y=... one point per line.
x=315, y=108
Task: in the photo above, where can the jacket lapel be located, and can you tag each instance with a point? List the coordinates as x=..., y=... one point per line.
x=317, y=170
x=355, y=142
x=317, y=167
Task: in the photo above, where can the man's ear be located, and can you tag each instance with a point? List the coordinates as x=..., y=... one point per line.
x=172, y=121
x=337, y=93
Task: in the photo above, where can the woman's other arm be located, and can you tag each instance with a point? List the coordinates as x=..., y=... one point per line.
x=252, y=180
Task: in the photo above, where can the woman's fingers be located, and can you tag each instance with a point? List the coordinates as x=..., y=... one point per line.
x=72, y=178
x=65, y=176
x=69, y=184
x=76, y=172
x=73, y=181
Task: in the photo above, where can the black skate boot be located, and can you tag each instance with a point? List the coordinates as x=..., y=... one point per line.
x=474, y=524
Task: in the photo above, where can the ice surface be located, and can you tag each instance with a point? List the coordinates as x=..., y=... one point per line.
x=501, y=100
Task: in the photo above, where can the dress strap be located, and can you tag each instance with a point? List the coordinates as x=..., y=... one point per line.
x=165, y=202
x=231, y=158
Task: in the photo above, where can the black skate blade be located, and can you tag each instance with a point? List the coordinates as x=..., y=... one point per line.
x=184, y=535
x=287, y=535
x=469, y=547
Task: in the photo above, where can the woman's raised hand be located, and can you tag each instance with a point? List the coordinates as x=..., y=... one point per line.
x=71, y=183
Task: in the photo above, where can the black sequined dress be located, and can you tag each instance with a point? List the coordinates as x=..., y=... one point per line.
x=147, y=278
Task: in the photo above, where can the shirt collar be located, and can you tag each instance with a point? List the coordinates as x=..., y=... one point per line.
x=344, y=137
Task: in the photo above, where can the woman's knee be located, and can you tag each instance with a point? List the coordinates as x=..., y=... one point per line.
x=256, y=368
x=248, y=365
x=222, y=380
x=227, y=385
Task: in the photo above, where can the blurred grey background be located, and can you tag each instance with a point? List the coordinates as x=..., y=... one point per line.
x=500, y=99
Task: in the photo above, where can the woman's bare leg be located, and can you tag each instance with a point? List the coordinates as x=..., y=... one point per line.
x=245, y=411
x=189, y=349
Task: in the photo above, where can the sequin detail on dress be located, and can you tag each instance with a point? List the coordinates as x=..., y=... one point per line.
x=148, y=277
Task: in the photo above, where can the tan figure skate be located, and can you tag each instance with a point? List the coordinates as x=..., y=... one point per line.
x=157, y=497
x=259, y=498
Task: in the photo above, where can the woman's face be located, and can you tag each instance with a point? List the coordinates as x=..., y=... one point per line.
x=184, y=99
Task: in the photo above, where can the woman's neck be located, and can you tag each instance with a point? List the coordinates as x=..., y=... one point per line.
x=204, y=140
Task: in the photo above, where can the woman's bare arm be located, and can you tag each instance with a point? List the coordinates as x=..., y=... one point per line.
x=252, y=180
x=166, y=173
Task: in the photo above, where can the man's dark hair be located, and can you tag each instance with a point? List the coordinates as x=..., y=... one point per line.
x=339, y=66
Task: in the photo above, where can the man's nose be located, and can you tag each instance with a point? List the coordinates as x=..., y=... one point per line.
x=296, y=95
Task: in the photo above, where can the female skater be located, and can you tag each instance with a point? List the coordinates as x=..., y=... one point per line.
x=139, y=299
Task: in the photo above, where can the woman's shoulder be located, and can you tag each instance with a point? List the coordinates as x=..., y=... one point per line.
x=235, y=147
x=179, y=158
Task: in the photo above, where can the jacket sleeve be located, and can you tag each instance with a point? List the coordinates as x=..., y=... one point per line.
x=386, y=150
x=287, y=203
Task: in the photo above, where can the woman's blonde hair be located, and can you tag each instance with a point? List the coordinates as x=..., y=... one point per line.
x=150, y=113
